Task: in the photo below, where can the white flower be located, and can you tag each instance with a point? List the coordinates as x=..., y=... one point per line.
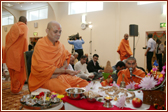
x=131, y=85
x=148, y=83
x=115, y=85
x=121, y=102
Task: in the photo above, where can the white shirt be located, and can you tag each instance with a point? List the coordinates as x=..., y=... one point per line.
x=70, y=67
x=84, y=74
x=161, y=46
x=151, y=43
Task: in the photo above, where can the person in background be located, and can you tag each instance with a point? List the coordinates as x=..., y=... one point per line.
x=116, y=68
x=124, y=49
x=149, y=52
x=81, y=65
x=49, y=65
x=76, y=58
x=5, y=71
x=77, y=45
x=93, y=66
x=130, y=63
x=158, y=51
x=71, y=63
x=87, y=58
x=16, y=45
x=31, y=46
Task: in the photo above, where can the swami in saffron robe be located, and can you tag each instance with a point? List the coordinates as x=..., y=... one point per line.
x=123, y=49
x=45, y=59
x=16, y=45
x=127, y=78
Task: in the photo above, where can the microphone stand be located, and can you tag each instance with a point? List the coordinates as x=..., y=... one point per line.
x=136, y=76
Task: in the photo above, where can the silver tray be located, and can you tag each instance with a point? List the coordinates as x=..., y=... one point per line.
x=35, y=104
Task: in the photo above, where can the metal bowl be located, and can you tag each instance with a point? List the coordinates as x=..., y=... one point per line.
x=55, y=100
x=90, y=99
x=44, y=103
x=25, y=98
x=31, y=102
x=75, y=93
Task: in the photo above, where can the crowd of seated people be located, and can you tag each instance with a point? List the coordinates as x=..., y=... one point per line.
x=93, y=71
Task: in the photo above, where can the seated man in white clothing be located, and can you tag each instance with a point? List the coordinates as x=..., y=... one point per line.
x=71, y=63
x=81, y=65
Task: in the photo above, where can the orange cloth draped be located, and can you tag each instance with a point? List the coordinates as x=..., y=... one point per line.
x=127, y=78
x=124, y=49
x=16, y=45
x=3, y=55
x=45, y=59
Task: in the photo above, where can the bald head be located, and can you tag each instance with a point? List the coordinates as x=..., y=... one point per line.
x=53, y=31
x=72, y=60
x=51, y=24
x=131, y=63
x=23, y=19
x=126, y=36
x=131, y=58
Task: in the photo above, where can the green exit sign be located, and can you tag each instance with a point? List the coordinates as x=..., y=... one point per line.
x=162, y=25
x=35, y=33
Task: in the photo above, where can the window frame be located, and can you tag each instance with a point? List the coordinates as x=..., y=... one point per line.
x=86, y=9
x=37, y=9
x=7, y=15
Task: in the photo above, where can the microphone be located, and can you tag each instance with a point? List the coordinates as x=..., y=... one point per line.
x=130, y=69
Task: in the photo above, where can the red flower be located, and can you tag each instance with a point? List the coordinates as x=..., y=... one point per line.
x=38, y=97
x=41, y=94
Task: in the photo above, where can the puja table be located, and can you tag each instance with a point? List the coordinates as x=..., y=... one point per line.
x=83, y=104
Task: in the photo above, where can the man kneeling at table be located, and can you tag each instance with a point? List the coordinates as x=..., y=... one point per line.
x=49, y=62
x=136, y=76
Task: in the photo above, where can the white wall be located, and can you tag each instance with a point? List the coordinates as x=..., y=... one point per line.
x=109, y=26
x=42, y=24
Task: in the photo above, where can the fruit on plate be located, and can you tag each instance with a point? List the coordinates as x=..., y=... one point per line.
x=104, y=83
x=136, y=102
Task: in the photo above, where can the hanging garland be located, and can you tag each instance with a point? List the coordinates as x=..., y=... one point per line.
x=156, y=36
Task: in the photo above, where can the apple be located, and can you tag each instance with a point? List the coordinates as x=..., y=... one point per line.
x=136, y=102
x=104, y=83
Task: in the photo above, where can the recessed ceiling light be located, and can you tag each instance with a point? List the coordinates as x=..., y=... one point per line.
x=21, y=6
x=8, y=4
x=31, y=3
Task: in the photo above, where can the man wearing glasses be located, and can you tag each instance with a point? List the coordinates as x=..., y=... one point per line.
x=131, y=73
x=124, y=49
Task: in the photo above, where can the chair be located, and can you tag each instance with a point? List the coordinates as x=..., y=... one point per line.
x=27, y=58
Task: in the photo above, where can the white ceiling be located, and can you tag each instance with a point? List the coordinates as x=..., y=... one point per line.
x=22, y=6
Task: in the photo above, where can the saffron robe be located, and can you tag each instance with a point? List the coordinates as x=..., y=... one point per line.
x=45, y=59
x=123, y=49
x=127, y=78
x=16, y=45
